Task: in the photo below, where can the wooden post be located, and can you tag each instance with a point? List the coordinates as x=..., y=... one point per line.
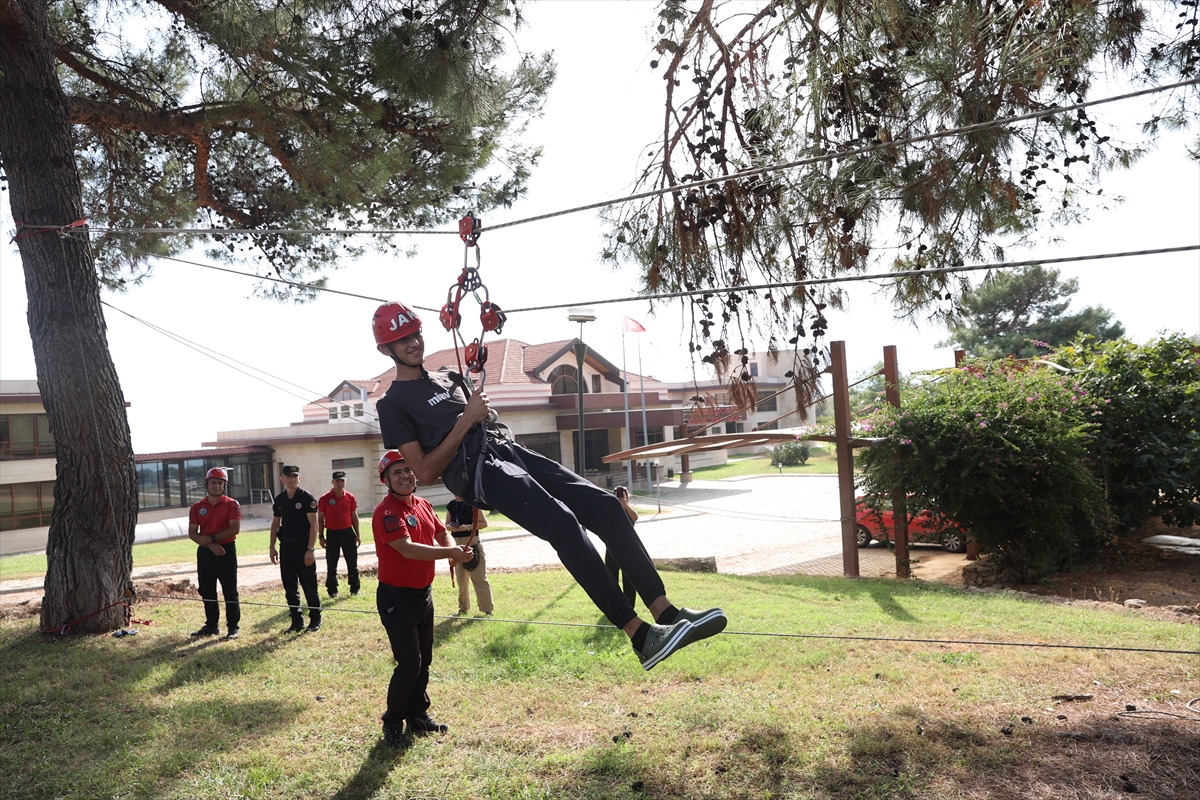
x=891, y=378
x=845, y=457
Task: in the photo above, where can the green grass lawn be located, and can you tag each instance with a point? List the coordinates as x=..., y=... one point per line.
x=251, y=544
x=566, y=712
x=823, y=461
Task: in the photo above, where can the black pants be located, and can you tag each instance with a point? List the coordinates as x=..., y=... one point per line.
x=553, y=503
x=610, y=561
x=407, y=616
x=210, y=569
x=341, y=541
x=292, y=571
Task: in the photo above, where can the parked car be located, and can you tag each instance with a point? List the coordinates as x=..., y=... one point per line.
x=924, y=527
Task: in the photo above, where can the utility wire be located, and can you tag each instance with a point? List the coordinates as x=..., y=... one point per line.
x=852, y=278
x=213, y=354
x=749, y=173
x=841, y=154
x=326, y=609
x=309, y=286
x=724, y=290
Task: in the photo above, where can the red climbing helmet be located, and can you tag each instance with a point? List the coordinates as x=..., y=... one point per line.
x=216, y=474
x=393, y=321
x=389, y=458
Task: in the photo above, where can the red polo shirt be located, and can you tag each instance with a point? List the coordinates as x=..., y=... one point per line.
x=339, y=511
x=214, y=518
x=394, y=519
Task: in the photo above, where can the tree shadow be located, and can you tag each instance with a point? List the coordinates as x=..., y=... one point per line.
x=888, y=595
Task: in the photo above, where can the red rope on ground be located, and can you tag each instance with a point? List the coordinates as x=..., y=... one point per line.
x=65, y=629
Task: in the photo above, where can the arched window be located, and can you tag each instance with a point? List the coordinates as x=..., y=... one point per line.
x=562, y=380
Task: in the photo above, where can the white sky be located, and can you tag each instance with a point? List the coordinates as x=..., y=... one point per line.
x=603, y=110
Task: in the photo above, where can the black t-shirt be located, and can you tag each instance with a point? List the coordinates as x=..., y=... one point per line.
x=424, y=411
x=459, y=513
x=293, y=514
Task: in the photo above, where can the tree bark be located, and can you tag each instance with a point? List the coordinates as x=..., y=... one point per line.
x=89, y=555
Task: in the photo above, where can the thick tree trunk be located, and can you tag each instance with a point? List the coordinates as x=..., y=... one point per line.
x=95, y=496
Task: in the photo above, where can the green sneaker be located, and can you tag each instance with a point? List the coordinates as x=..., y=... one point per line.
x=664, y=640
x=707, y=623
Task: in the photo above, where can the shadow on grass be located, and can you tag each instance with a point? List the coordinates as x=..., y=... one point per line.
x=373, y=772
x=74, y=716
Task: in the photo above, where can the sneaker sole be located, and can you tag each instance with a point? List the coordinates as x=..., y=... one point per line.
x=709, y=624
x=679, y=638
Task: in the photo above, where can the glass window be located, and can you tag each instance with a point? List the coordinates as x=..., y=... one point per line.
x=333, y=413
x=767, y=405
x=26, y=505
x=769, y=426
x=595, y=384
x=753, y=369
x=151, y=492
x=347, y=463
x=548, y=444
x=193, y=479
x=21, y=439
x=562, y=380
x=656, y=436
x=345, y=411
x=358, y=409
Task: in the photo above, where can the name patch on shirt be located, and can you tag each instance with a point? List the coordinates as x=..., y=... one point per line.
x=391, y=524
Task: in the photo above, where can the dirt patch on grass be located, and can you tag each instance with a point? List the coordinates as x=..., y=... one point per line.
x=1131, y=570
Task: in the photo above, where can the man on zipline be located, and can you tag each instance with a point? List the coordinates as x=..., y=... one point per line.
x=438, y=425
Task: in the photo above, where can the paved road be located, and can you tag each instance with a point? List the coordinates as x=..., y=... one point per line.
x=760, y=525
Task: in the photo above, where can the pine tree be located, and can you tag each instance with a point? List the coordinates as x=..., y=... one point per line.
x=751, y=85
x=247, y=115
x=1022, y=312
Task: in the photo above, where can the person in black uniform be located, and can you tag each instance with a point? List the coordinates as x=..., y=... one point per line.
x=439, y=425
x=295, y=526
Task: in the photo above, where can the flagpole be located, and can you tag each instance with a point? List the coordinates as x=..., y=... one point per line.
x=645, y=429
x=625, y=393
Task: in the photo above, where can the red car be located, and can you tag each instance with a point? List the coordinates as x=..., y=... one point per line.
x=924, y=527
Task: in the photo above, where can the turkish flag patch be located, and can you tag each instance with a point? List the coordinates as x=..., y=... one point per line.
x=391, y=524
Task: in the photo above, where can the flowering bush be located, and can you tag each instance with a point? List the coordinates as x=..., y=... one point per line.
x=789, y=454
x=1147, y=446
x=1003, y=450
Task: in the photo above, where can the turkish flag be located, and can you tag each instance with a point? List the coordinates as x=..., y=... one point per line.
x=633, y=326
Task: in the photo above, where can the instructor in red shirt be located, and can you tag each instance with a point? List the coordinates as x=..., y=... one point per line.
x=408, y=539
x=337, y=525
x=213, y=524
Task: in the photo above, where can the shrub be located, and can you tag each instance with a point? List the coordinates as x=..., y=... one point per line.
x=789, y=454
x=1147, y=446
x=1001, y=449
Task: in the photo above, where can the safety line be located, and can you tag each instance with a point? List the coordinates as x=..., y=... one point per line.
x=727, y=632
x=723, y=290
x=309, y=286
x=875, y=276
x=842, y=154
x=681, y=187
x=212, y=354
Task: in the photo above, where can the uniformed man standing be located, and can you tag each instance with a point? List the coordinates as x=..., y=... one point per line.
x=408, y=539
x=213, y=524
x=295, y=527
x=337, y=525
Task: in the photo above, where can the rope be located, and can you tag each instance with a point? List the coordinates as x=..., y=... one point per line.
x=871, y=277
x=210, y=353
x=833, y=156
x=728, y=632
x=66, y=628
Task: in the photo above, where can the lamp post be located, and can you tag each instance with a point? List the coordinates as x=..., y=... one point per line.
x=580, y=315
